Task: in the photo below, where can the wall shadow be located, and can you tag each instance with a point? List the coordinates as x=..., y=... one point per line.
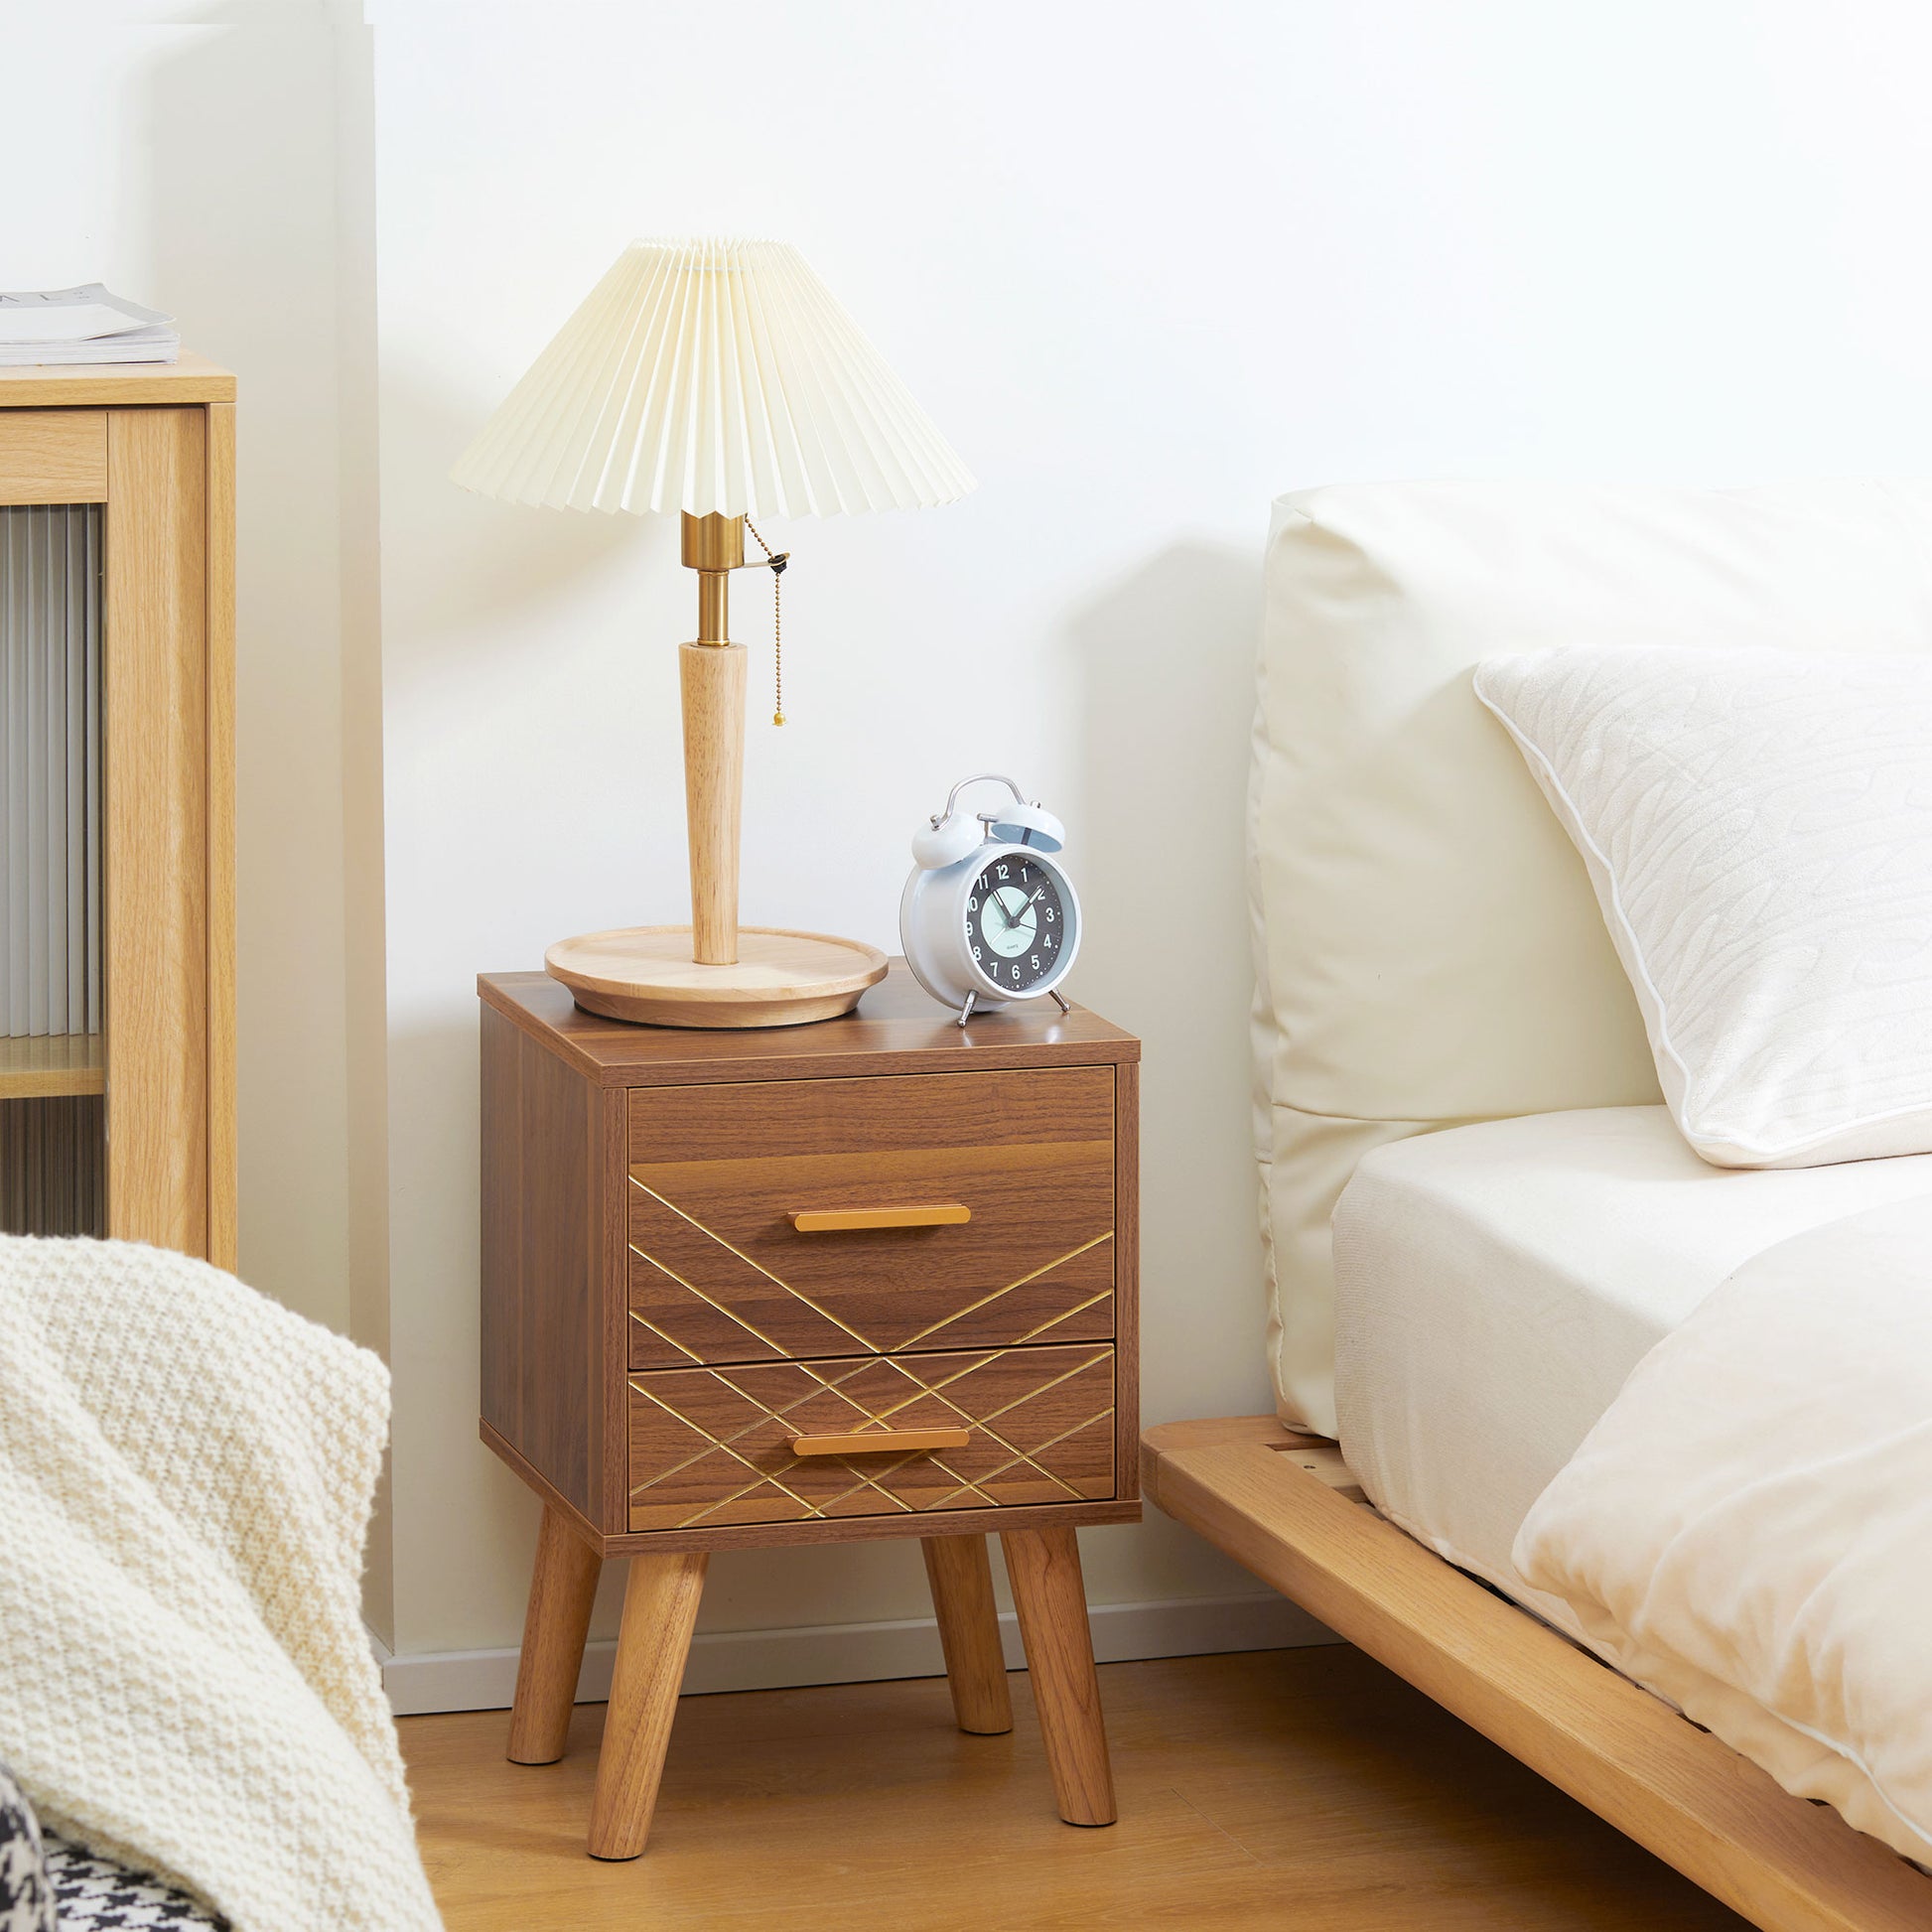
x=1165, y=665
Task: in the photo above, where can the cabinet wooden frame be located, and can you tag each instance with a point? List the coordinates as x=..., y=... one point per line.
x=1287, y=1509
x=155, y=445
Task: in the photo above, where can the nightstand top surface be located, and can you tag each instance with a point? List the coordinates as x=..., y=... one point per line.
x=896, y=1021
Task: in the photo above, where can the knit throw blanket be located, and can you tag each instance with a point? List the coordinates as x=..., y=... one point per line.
x=186, y=1478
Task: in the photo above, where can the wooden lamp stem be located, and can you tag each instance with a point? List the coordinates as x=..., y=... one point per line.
x=711, y=676
x=713, y=973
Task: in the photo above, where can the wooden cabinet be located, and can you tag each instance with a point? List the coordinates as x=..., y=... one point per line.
x=117, y=804
x=871, y=1277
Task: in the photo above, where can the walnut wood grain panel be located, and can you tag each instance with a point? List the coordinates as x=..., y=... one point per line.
x=897, y=1029
x=1127, y=1273
x=711, y=1447
x=548, y=1379
x=155, y=708
x=53, y=456
x=719, y=1273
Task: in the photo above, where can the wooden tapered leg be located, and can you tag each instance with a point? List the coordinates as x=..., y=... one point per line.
x=961, y=1577
x=660, y=1605
x=563, y=1584
x=1043, y=1567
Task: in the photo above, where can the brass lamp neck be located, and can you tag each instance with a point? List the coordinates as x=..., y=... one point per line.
x=713, y=546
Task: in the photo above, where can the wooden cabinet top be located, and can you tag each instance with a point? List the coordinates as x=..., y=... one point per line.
x=115, y=386
x=896, y=1028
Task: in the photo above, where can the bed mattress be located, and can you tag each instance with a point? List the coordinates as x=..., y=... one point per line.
x=1496, y=1284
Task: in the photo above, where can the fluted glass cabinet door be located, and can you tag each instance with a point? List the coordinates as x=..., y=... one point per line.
x=53, y=1078
x=115, y=970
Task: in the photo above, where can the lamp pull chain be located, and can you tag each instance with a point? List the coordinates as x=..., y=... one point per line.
x=777, y=563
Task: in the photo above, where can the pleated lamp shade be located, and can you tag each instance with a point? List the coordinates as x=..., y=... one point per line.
x=718, y=377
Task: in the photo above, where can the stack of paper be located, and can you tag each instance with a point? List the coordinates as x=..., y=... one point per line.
x=85, y=325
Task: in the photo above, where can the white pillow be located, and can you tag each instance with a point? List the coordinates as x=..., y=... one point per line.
x=1758, y=827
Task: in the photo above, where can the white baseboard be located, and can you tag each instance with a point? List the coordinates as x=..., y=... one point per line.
x=853, y=1653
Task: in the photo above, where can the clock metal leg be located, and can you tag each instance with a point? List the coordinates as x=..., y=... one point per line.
x=969, y=1631
x=1064, y=1005
x=966, y=1011
x=1043, y=1567
x=563, y=1584
x=660, y=1605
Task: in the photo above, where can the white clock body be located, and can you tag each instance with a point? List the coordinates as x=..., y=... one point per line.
x=1001, y=925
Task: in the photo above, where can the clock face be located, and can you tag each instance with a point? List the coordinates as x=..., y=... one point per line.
x=1016, y=923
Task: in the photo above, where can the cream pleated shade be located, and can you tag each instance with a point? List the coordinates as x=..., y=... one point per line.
x=714, y=376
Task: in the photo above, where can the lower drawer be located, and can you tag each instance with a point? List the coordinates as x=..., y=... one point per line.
x=761, y=1442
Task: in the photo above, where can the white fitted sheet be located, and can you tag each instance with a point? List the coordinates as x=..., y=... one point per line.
x=1496, y=1284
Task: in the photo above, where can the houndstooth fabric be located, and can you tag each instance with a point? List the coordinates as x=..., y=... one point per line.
x=26, y=1897
x=96, y=1895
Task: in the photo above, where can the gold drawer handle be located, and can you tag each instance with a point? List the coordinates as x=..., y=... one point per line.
x=880, y=1441
x=835, y=1221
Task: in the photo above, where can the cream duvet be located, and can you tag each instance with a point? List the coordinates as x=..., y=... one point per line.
x=1748, y=1528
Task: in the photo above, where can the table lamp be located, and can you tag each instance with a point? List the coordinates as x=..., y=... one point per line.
x=721, y=379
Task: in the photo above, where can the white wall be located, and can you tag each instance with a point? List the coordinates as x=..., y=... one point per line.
x=186, y=156
x=1148, y=266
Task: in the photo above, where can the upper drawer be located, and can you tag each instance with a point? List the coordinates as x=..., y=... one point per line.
x=722, y=1271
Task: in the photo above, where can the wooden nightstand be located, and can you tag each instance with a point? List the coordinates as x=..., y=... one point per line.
x=874, y=1277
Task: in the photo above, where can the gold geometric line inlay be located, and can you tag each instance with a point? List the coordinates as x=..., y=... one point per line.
x=992, y=1475
x=766, y=1414
x=985, y=1423
x=985, y=1356
x=864, y=1476
x=734, y=1454
x=1066, y=1315
x=672, y=1341
x=867, y=1479
x=964, y=1483
x=797, y=1294
x=731, y=1315
x=973, y=1307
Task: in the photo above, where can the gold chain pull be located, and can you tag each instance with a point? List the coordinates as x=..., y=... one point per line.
x=776, y=563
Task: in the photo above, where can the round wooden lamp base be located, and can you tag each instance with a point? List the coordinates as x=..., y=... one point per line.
x=645, y=973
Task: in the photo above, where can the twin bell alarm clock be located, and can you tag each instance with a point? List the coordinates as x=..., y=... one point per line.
x=988, y=914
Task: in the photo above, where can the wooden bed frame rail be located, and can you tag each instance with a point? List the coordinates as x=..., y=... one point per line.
x=1287, y=1507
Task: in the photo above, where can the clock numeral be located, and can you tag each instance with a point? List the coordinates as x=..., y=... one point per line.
x=976, y=952
x=972, y=905
x=1016, y=976
x=1049, y=911
x=1002, y=872
x=1035, y=962
x=1025, y=872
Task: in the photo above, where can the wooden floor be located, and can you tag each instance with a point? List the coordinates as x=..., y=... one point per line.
x=1292, y=1790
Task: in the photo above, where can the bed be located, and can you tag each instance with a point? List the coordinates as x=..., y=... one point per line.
x=1478, y=1217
